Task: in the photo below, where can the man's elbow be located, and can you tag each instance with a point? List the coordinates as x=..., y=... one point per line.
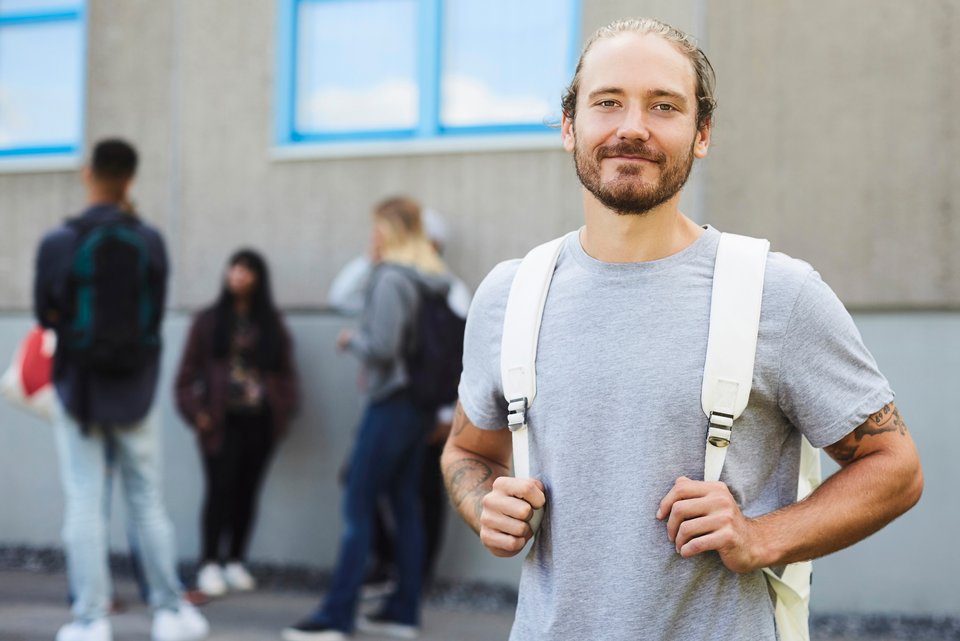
x=913, y=489
x=450, y=454
x=908, y=475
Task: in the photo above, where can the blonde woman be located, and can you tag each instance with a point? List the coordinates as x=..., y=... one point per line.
x=388, y=454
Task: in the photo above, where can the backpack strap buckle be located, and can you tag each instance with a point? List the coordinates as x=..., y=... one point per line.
x=517, y=414
x=721, y=429
x=721, y=419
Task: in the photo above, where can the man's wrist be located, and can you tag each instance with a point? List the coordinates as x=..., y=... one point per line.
x=765, y=544
x=468, y=480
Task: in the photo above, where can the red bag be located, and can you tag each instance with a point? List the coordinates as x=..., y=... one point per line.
x=28, y=382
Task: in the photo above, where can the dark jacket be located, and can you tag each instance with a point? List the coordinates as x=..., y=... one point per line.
x=112, y=401
x=201, y=384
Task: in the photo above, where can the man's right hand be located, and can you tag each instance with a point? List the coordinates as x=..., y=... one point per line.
x=507, y=511
x=476, y=470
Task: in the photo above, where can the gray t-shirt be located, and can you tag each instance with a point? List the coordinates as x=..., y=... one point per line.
x=617, y=419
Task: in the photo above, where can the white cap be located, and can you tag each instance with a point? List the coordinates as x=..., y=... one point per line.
x=434, y=226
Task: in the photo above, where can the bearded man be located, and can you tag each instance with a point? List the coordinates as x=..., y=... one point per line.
x=633, y=545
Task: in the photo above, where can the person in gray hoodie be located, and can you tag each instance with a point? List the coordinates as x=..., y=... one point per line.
x=388, y=453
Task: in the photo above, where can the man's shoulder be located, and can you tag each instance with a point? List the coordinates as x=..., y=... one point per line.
x=785, y=275
x=57, y=239
x=495, y=287
x=62, y=231
x=146, y=229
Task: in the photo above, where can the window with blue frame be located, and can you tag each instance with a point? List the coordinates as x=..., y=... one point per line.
x=41, y=77
x=407, y=69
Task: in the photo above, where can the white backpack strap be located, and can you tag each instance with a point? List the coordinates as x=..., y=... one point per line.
x=518, y=348
x=792, y=586
x=732, y=343
x=727, y=379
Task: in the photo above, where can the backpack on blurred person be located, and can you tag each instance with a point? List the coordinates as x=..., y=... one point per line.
x=113, y=327
x=434, y=359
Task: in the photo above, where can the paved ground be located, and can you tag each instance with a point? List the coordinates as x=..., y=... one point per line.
x=33, y=606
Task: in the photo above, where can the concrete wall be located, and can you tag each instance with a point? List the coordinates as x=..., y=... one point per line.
x=835, y=138
x=908, y=567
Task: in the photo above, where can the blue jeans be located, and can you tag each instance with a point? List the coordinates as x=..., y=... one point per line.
x=386, y=461
x=83, y=473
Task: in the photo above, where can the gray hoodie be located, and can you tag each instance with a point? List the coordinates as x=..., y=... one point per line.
x=386, y=324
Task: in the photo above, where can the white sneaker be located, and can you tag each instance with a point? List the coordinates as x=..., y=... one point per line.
x=185, y=624
x=210, y=580
x=98, y=630
x=192, y=622
x=238, y=578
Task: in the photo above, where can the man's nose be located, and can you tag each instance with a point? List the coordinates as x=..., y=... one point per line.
x=634, y=125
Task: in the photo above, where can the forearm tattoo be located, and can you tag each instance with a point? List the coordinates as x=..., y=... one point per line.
x=888, y=419
x=466, y=481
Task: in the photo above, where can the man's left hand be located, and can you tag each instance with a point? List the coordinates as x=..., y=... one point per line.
x=703, y=516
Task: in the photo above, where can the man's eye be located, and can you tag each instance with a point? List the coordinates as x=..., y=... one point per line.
x=607, y=103
x=665, y=107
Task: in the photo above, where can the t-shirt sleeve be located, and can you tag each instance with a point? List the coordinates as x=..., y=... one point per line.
x=480, y=392
x=379, y=340
x=829, y=381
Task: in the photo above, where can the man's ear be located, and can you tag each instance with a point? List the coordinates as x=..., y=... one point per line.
x=702, y=142
x=566, y=133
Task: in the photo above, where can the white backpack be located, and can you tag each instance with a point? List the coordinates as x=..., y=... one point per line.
x=727, y=379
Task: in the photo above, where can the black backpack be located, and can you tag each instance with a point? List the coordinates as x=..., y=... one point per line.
x=113, y=327
x=434, y=355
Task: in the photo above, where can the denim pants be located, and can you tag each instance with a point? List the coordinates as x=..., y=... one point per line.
x=386, y=461
x=84, y=469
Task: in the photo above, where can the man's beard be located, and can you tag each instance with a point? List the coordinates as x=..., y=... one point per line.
x=627, y=196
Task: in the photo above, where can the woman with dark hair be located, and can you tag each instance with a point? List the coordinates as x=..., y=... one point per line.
x=237, y=388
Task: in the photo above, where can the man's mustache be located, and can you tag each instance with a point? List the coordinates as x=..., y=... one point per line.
x=635, y=149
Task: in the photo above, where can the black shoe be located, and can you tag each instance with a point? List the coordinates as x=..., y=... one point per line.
x=310, y=630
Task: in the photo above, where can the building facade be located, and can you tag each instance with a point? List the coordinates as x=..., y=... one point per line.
x=280, y=124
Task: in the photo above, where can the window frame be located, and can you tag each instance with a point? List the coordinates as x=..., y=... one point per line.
x=429, y=130
x=74, y=11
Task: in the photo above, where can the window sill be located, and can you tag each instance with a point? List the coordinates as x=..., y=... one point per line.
x=447, y=145
x=39, y=164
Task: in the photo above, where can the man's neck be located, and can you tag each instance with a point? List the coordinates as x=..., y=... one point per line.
x=100, y=196
x=634, y=238
x=98, y=202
